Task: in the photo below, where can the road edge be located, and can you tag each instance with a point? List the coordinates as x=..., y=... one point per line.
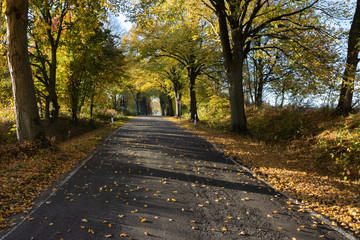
x=327, y=221
x=47, y=194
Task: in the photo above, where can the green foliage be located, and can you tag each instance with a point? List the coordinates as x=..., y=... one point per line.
x=273, y=125
x=7, y=126
x=341, y=147
x=215, y=112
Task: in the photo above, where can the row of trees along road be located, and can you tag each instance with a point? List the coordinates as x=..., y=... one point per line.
x=70, y=58
x=287, y=45
x=219, y=49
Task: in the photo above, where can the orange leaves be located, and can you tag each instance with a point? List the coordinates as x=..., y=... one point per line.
x=293, y=171
x=35, y=170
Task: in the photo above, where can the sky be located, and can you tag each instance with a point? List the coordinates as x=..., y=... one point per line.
x=124, y=24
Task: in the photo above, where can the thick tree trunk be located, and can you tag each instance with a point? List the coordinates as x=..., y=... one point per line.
x=28, y=125
x=193, y=108
x=163, y=105
x=259, y=93
x=238, y=121
x=170, y=111
x=234, y=59
x=177, y=103
x=347, y=86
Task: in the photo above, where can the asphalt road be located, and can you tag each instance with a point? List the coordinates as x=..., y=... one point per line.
x=153, y=180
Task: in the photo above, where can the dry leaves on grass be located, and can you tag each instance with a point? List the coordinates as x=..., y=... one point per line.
x=292, y=172
x=26, y=170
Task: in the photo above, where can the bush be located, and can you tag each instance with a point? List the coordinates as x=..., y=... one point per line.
x=7, y=126
x=340, y=146
x=216, y=112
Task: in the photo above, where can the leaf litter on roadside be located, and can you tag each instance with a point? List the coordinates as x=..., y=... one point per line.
x=337, y=199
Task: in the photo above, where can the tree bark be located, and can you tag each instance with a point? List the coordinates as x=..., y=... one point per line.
x=238, y=121
x=137, y=103
x=259, y=93
x=177, y=101
x=347, y=86
x=192, y=74
x=177, y=107
x=28, y=125
x=52, y=84
x=234, y=62
x=170, y=108
x=92, y=96
x=163, y=105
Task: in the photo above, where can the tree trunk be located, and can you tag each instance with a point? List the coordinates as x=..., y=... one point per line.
x=74, y=94
x=52, y=86
x=347, y=86
x=177, y=101
x=282, y=97
x=170, y=111
x=163, y=105
x=28, y=125
x=92, y=103
x=193, y=108
x=238, y=121
x=234, y=59
x=259, y=93
x=177, y=107
x=137, y=103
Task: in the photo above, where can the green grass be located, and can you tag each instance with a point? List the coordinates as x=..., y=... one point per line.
x=332, y=141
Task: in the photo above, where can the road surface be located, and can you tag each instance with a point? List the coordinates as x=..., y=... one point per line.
x=153, y=180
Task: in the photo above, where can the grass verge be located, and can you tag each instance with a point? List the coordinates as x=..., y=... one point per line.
x=292, y=167
x=26, y=170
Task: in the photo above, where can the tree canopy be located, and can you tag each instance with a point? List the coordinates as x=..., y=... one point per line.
x=209, y=56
